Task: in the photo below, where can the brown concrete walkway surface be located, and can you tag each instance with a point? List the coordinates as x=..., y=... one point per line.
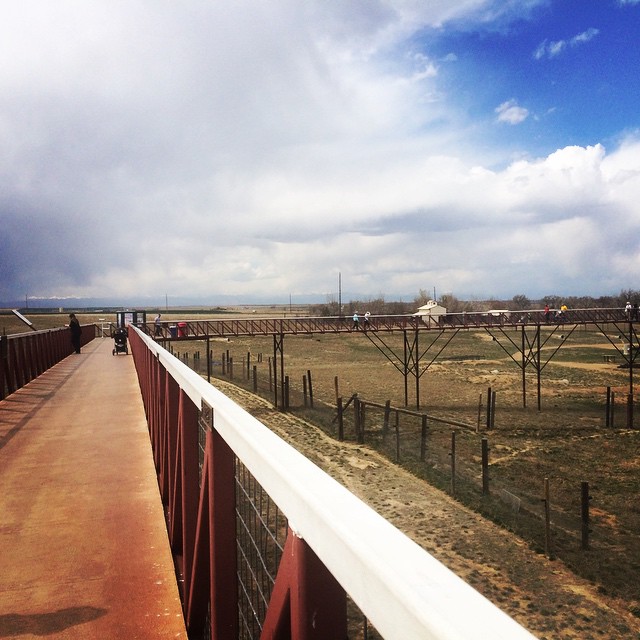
x=83, y=546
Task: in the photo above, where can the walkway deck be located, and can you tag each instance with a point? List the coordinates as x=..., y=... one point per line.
x=83, y=546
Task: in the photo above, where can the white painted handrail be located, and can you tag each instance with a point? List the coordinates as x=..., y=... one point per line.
x=404, y=591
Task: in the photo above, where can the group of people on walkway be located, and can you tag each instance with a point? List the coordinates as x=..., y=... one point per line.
x=558, y=315
x=356, y=320
x=631, y=311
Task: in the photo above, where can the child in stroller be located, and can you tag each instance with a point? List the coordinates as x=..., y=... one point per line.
x=120, y=341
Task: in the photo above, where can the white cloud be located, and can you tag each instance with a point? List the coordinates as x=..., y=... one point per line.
x=585, y=36
x=511, y=113
x=553, y=49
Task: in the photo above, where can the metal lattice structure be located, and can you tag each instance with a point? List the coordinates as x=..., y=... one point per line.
x=261, y=533
x=25, y=356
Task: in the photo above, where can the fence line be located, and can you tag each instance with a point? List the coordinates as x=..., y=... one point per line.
x=465, y=470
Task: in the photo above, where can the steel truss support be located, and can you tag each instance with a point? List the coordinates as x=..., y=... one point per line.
x=278, y=350
x=529, y=350
x=410, y=362
x=307, y=602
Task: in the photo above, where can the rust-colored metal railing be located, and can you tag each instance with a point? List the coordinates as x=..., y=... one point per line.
x=266, y=545
x=25, y=356
x=235, y=327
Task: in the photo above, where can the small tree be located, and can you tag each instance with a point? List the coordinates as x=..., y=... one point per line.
x=520, y=303
x=422, y=298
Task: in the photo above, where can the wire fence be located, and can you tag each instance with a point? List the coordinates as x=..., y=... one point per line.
x=554, y=513
x=261, y=534
x=261, y=531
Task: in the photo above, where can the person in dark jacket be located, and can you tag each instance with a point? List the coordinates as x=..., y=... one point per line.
x=76, y=332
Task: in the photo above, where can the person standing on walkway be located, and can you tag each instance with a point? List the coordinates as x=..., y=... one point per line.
x=76, y=332
x=356, y=321
x=158, y=325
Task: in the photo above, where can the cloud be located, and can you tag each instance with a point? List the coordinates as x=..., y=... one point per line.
x=553, y=49
x=511, y=113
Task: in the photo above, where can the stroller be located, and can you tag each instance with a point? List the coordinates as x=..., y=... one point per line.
x=120, y=341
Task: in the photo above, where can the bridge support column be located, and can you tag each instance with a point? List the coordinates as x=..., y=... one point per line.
x=411, y=365
x=530, y=354
x=213, y=574
x=523, y=367
x=278, y=350
x=307, y=602
x=634, y=348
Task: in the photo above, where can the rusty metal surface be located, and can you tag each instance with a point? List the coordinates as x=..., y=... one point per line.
x=235, y=327
x=83, y=546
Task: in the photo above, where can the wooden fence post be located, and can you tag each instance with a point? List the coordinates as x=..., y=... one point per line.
x=310, y=388
x=485, y=467
x=423, y=438
x=453, y=463
x=613, y=407
x=397, y=436
x=488, y=408
x=340, y=420
x=255, y=379
x=335, y=384
x=385, y=424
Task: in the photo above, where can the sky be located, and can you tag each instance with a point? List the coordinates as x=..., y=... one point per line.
x=268, y=150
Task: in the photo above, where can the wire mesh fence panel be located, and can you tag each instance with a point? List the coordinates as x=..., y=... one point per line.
x=261, y=531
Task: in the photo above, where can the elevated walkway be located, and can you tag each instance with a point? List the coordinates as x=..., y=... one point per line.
x=83, y=544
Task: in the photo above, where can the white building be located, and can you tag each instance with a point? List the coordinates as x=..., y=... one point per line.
x=430, y=312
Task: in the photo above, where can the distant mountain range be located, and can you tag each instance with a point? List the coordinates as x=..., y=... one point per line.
x=161, y=302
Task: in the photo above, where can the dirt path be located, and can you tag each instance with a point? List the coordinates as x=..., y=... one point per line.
x=543, y=595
